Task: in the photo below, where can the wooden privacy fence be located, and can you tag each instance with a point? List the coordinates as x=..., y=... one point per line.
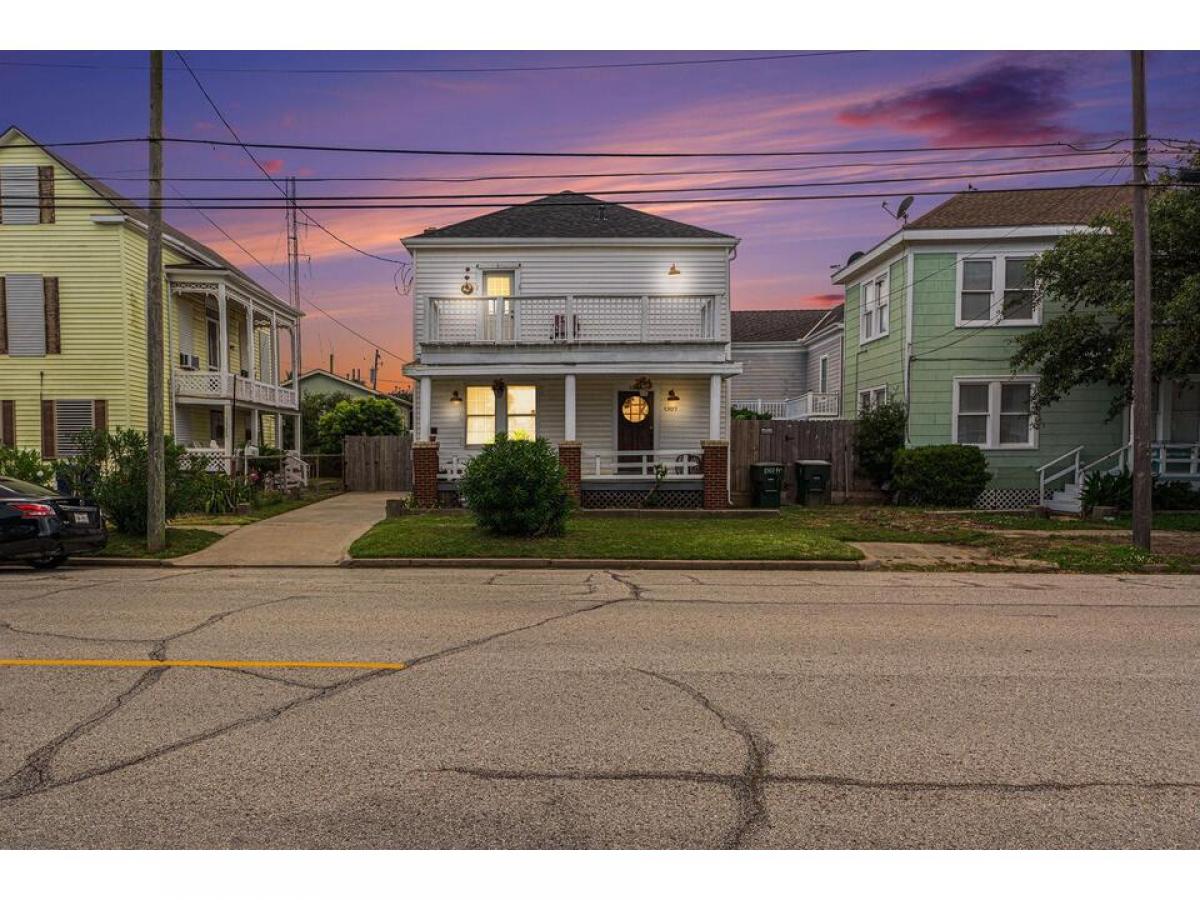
x=775, y=440
x=378, y=463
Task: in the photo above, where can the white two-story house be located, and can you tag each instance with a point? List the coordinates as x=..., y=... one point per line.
x=600, y=328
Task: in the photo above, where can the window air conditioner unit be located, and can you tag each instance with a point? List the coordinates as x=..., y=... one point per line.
x=187, y=361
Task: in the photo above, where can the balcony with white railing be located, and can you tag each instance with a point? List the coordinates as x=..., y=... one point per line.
x=573, y=319
x=221, y=386
x=811, y=405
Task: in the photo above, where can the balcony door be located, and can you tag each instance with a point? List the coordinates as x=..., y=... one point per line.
x=635, y=427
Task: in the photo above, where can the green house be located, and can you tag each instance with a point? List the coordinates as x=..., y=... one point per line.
x=931, y=314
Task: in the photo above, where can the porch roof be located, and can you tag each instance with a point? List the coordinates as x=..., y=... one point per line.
x=417, y=370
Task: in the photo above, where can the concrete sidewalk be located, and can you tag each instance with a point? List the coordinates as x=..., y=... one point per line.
x=319, y=534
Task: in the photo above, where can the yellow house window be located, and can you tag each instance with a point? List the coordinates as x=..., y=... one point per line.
x=481, y=415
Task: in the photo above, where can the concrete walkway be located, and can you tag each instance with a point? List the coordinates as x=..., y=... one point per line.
x=319, y=534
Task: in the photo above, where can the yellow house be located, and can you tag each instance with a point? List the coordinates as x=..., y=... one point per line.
x=73, y=330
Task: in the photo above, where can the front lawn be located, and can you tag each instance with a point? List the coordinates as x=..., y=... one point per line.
x=256, y=514
x=180, y=542
x=597, y=537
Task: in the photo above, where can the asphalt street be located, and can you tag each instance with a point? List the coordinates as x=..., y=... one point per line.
x=597, y=709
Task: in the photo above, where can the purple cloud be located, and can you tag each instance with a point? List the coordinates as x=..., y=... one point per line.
x=1003, y=102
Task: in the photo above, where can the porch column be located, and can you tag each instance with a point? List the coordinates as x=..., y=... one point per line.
x=254, y=423
x=714, y=464
x=227, y=411
x=425, y=473
x=279, y=431
x=424, y=401
x=274, y=377
x=223, y=317
x=569, y=406
x=251, y=343
x=714, y=408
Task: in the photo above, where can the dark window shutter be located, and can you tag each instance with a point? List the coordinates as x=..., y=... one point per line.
x=46, y=195
x=48, y=449
x=8, y=424
x=53, y=331
x=100, y=414
x=3, y=319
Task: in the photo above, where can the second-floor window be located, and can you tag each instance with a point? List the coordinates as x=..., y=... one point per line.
x=26, y=195
x=499, y=283
x=874, y=315
x=996, y=290
x=213, y=333
x=823, y=378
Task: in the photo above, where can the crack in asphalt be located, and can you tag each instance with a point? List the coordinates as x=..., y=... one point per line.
x=748, y=788
x=27, y=787
x=8, y=626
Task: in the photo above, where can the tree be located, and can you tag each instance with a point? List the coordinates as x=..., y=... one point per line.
x=1091, y=274
x=879, y=435
x=365, y=415
x=312, y=407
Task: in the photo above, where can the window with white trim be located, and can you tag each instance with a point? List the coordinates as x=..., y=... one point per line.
x=995, y=414
x=25, y=314
x=873, y=319
x=996, y=290
x=481, y=415
x=70, y=418
x=872, y=397
x=823, y=376
x=521, y=404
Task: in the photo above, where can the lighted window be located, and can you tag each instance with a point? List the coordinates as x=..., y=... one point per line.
x=635, y=409
x=522, y=412
x=481, y=415
x=498, y=284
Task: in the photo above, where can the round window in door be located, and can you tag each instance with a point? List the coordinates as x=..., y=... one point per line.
x=635, y=409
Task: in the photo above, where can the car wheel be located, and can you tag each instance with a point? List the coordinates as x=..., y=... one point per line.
x=49, y=562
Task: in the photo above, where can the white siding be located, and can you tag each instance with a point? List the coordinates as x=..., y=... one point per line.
x=832, y=346
x=774, y=374
x=577, y=270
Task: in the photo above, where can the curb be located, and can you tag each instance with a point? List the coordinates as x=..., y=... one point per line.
x=795, y=565
x=84, y=562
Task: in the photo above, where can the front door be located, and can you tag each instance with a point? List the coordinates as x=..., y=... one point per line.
x=635, y=429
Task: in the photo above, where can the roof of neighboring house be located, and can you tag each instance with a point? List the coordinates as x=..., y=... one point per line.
x=205, y=255
x=570, y=215
x=353, y=385
x=766, y=325
x=1058, y=206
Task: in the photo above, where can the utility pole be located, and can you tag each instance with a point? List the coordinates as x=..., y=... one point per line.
x=293, y=245
x=375, y=372
x=1142, y=384
x=156, y=520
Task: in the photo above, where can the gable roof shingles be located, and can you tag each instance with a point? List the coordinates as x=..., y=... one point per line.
x=748, y=326
x=570, y=215
x=1060, y=206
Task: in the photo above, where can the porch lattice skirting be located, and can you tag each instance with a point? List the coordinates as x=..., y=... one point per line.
x=670, y=495
x=1007, y=498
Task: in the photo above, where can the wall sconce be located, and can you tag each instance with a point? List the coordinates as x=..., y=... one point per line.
x=672, y=404
x=674, y=270
x=455, y=397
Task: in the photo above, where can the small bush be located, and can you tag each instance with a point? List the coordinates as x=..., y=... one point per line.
x=517, y=487
x=879, y=435
x=365, y=415
x=1115, y=489
x=26, y=465
x=943, y=475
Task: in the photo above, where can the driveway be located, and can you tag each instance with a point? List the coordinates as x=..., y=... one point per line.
x=319, y=534
x=516, y=708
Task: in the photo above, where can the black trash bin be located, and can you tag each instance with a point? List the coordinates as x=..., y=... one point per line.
x=814, y=484
x=766, y=483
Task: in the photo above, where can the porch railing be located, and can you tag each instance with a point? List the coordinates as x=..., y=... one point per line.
x=683, y=463
x=220, y=386
x=572, y=319
x=1168, y=461
x=810, y=405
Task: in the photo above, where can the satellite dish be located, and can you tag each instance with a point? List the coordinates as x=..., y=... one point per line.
x=902, y=211
x=853, y=256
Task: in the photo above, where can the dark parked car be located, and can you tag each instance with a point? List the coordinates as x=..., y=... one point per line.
x=42, y=527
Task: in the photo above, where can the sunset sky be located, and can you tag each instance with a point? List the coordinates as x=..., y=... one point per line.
x=855, y=100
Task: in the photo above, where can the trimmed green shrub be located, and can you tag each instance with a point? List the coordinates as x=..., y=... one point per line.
x=880, y=433
x=741, y=412
x=517, y=487
x=943, y=475
x=26, y=465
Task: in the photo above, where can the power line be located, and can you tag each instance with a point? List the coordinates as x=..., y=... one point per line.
x=447, y=70
x=694, y=201
x=679, y=190
x=581, y=154
x=238, y=141
x=229, y=236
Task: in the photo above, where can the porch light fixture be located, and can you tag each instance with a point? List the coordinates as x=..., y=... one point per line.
x=672, y=404
x=672, y=397
x=455, y=397
x=674, y=270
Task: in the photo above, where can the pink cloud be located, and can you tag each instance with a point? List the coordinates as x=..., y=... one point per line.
x=273, y=166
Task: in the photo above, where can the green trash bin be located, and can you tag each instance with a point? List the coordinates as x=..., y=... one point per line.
x=766, y=483
x=814, y=483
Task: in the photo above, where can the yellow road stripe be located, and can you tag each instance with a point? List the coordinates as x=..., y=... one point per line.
x=206, y=663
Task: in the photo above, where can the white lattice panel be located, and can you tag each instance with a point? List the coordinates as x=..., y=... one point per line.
x=676, y=318
x=456, y=320
x=543, y=320
x=202, y=384
x=604, y=319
